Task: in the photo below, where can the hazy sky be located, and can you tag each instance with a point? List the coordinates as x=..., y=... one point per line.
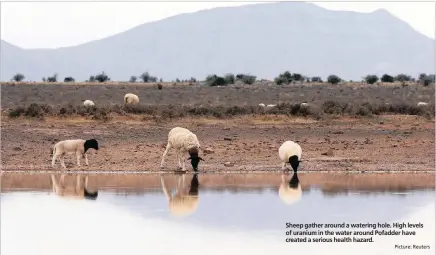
x=56, y=24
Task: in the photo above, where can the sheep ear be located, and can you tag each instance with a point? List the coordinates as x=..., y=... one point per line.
x=200, y=158
x=189, y=158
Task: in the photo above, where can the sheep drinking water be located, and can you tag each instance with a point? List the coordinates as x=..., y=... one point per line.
x=183, y=141
x=78, y=146
x=290, y=152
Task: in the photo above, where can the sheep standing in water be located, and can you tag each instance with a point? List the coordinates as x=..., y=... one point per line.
x=290, y=191
x=78, y=147
x=184, y=201
x=130, y=98
x=290, y=152
x=183, y=141
x=78, y=191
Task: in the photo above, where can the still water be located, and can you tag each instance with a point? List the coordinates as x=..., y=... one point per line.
x=205, y=214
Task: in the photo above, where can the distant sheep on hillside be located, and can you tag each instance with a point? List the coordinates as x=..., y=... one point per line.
x=130, y=98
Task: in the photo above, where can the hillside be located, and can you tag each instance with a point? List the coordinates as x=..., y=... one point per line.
x=262, y=39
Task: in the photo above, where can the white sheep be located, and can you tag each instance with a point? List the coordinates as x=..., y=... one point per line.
x=130, y=98
x=270, y=106
x=304, y=104
x=261, y=105
x=184, y=201
x=183, y=141
x=78, y=191
x=290, y=191
x=78, y=146
x=422, y=104
x=88, y=103
x=290, y=152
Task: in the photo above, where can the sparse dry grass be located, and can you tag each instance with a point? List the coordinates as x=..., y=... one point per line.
x=172, y=102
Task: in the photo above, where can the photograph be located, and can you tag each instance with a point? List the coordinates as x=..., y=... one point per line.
x=171, y=127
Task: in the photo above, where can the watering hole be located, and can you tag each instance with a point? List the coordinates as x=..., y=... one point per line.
x=205, y=213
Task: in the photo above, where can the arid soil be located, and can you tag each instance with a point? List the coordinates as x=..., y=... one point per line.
x=394, y=143
x=138, y=183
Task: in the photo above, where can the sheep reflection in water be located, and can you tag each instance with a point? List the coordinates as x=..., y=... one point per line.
x=290, y=191
x=185, y=201
x=79, y=190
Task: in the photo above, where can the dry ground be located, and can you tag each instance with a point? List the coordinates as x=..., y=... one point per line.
x=249, y=143
x=329, y=183
x=26, y=94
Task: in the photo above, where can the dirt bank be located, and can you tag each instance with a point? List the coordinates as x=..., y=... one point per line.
x=127, y=143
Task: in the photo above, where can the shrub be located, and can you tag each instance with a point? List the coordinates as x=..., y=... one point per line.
x=133, y=79
x=371, y=79
x=146, y=77
x=102, y=77
x=69, y=79
x=316, y=79
x=246, y=78
x=403, y=77
x=91, y=78
x=53, y=78
x=18, y=77
x=425, y=79
x=387, y=78
x=333, y=79
x=229, y=78
x=283, y=78
x=214, y=80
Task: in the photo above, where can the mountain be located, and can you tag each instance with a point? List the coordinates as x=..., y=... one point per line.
x=261, y=39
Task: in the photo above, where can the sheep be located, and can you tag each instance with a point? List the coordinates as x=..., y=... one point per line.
x=183, y=202
x=305, y=104
x=88, y=103
x=78, y=146
x=261, y=105
x=270, y=106
x=290, y=152
x=130, y=98
x=422, y=104
x=183, y=140
x=79, y=191
x=290, y=192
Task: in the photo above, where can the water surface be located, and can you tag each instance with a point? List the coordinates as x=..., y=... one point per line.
x=199, y=214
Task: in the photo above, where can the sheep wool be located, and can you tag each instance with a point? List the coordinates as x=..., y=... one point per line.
x=88, y=103
x=77, y=146
x=422, y=103
x=261, y=105
x=130, y=98
x=288, y=149
x=183, y=141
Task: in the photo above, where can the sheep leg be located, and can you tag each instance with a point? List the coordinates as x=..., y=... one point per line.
x=78, y=183
x=86, y=159
x=86, y=181
x=54, y=183
x=63, y=161
x=165, y=154
x=284, y=166
x=178, y=159
x=53, y=161
x=62, y=181
x=78, y=159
